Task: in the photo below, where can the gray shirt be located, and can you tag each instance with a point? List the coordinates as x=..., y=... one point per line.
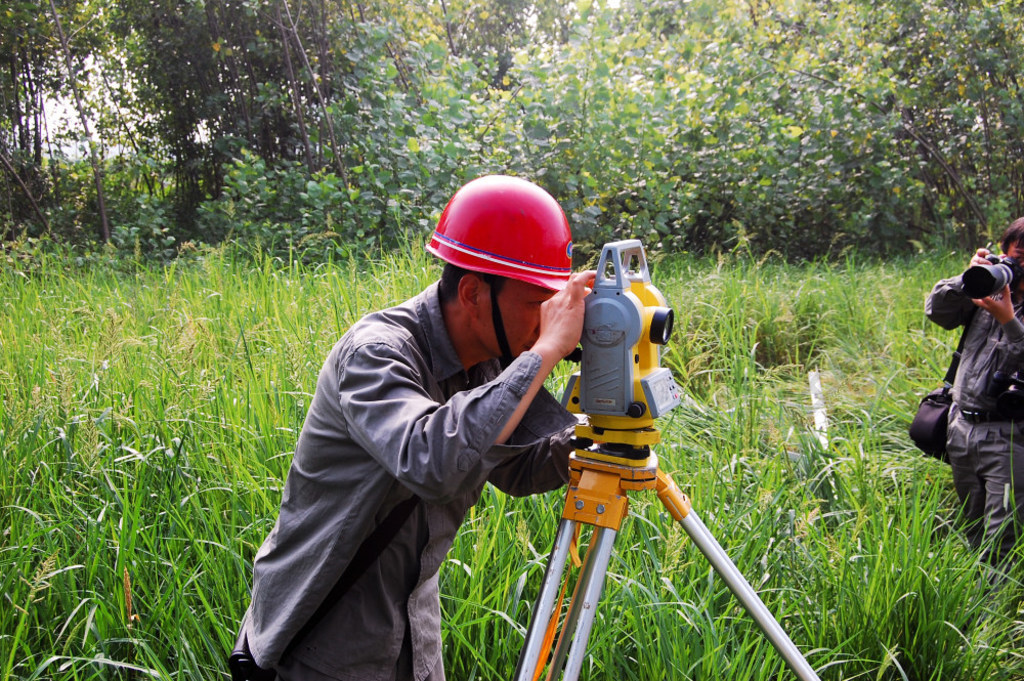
x=394, y=414
x=988, y=347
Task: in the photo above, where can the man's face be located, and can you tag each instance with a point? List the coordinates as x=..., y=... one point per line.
x=520, y=313
x=1016, y=251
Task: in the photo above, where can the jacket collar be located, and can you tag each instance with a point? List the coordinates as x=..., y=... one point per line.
x=444, y=362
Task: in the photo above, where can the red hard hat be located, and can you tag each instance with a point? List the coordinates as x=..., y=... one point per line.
x=506, y=226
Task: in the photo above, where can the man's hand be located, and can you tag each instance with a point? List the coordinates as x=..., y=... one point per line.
x=979, y=257
x=999, y=306
x=561, y=318
x=561, y=325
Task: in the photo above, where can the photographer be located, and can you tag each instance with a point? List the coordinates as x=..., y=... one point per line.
x=985, y=444
x=416, y=408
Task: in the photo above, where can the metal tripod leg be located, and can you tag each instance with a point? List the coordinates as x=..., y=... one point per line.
x=572, y=643
x=580, y=618
x=679, y=506
x=745, y=593
x=530, y=654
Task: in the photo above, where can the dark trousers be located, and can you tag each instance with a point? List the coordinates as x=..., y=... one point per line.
x=988, y=471
x=293, y=670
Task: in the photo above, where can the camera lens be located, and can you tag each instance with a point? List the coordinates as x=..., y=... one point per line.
x=999, y=382
x=661, y=325
x=981, y=281
x=1011, y=404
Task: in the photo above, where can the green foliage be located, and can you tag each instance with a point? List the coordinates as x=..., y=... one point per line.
x=953, y=70
x=405, y=157
x=800, y=128
x=697, y=142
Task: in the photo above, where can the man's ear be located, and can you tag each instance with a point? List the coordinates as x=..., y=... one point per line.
x=471, y=293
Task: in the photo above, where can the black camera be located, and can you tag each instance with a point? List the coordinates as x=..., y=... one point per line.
x=1008, y=389
x=981, y=281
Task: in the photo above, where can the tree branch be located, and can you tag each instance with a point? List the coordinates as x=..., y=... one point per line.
x=6, y=162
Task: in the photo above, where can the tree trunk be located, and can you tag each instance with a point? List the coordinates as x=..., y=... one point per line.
x=296, y=94
x=97, y=170
x=328, y=121
x=9, y=167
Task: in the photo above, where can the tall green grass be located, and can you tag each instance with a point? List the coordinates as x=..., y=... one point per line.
x=147, y=420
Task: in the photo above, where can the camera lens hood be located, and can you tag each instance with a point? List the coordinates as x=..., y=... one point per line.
x=981, y=281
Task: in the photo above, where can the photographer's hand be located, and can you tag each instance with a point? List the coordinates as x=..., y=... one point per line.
x=979, y=257
x=1000, y=307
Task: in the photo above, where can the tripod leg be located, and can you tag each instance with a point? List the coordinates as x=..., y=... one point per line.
x=529, y=657
x=572, y=642
x=679, y=506
x=741, y=588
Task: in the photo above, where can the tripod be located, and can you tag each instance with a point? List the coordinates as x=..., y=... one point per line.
x=600, y=478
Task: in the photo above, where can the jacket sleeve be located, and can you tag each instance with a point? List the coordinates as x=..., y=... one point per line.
x=435, y=449
x=536, y=457
x=947, y=305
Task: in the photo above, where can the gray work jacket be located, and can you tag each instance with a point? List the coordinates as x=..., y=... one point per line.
x=394, y=414
x=988, y=347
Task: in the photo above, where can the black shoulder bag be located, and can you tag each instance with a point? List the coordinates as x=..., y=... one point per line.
x=244, y=668
x=928, y=429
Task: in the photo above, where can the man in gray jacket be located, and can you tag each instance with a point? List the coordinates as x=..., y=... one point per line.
x=986, y=445
x=426, y=401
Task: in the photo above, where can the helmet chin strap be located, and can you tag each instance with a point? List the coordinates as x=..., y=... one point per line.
x=499, y=326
